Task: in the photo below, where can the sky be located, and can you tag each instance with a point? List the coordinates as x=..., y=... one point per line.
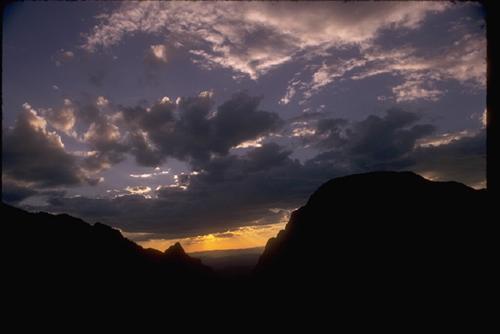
x=208, y=123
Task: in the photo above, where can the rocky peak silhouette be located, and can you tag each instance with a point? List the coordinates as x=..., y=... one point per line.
x=175, y=250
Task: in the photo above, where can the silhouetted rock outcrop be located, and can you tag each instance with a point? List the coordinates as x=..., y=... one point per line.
x=387, y=235
x=176, y=251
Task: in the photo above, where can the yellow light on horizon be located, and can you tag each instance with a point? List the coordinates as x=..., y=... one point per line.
x=240, y=238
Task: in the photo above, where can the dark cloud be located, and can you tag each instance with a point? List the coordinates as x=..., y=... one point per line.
x=391, y=142
x=266, y=157
x=239, y=119
x=104, y=140
x=230, y=191
x=192, y=131
x=462, y=160
x=34, y=155
x=189, y=130
x=91, y=208
x=225, y=235
x=16, y=191
x=86, y=113
x=373, y=143
x=13, y=192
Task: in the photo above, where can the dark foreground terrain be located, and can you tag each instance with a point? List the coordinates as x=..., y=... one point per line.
x=231, y=261
x=378, y=238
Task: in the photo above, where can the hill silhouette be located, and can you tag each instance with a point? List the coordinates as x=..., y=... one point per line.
x=385, y=236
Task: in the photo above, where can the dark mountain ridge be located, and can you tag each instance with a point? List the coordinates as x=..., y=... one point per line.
x=384, y=235
x=52, y=250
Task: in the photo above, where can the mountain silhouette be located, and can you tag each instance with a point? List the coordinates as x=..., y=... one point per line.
x=383, y=236
x=59, y=250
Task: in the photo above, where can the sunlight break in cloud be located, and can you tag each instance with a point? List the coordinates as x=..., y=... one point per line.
x=251, y=143
x=444, y=139
x=138, y=190
x=157, y=172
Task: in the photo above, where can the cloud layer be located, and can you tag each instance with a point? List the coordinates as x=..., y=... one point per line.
x=253, y=38
x=228, y=189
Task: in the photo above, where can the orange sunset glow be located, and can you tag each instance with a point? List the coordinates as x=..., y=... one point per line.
x=243, y=237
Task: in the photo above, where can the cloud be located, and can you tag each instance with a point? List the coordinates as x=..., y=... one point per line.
x=15, y=192
x=138, y=190
x=462, y=159
x=229, y=192
x=252, y=38
x=96, y=127
x=155, y=58
x=399, y=140
x=62, y=119
x=102, y=101
x=63, y=56
x=35, y=155
x=326, y=74
x=191, y=130
x=373, y=143
x=105, y=140
x=251, y=143
x=466, y=60
x=414, y=90
x=309, y=116
x=290, y=92
x=158, y=172
x=463, y=61
x=157, y=53
x=86, y=113
x=444, y=138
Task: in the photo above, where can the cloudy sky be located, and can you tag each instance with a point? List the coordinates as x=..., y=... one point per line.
x=209, y=122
